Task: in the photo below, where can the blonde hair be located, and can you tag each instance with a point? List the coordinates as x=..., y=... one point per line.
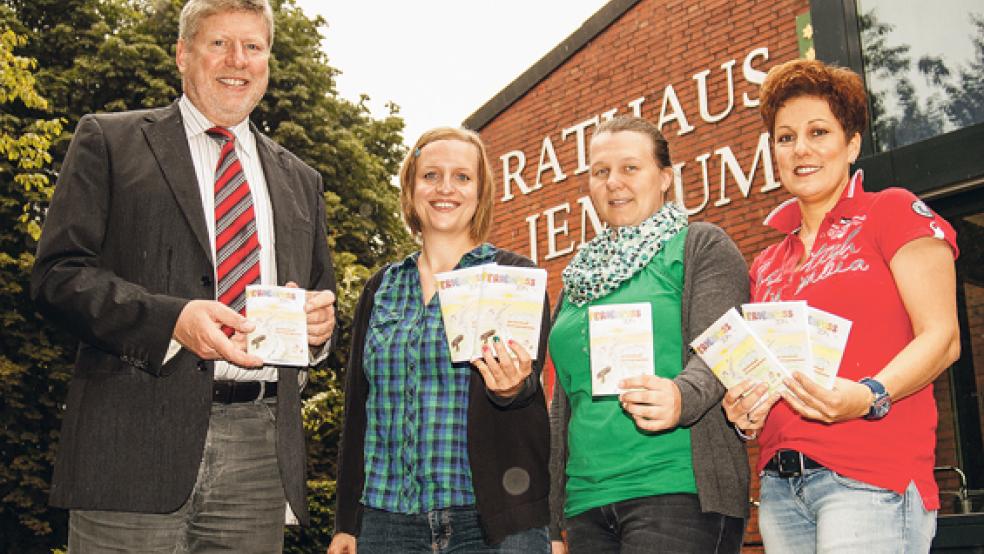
x=481, y=222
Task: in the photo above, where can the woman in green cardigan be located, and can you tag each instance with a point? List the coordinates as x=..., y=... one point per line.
x=656, y=468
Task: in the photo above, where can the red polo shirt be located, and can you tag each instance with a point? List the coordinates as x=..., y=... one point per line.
x=848, y=274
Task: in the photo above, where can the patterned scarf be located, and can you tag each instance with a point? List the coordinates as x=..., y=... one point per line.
x=615, y=255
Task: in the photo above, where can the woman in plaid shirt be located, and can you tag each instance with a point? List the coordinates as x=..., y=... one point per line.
x=439, y=456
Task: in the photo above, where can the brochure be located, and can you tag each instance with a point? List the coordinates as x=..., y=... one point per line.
x=782, y=327
x=280, y=337
x=481, y=302
x=828, y=339
x=621, y=340
x=459, y=292
x=733, y=352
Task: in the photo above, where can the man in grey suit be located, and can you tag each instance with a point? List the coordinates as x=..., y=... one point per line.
x=174, y=439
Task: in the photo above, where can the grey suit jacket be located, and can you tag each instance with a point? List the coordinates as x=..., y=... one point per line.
x=124, y=248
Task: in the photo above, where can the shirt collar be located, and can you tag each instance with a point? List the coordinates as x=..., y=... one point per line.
x=195, y=124
x=482, y=254
x=787, y=218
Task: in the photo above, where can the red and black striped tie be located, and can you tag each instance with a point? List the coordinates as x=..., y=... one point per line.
x=237, y=247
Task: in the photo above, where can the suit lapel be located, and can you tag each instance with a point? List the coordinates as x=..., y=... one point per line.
x=282, y=199
x=169, y=143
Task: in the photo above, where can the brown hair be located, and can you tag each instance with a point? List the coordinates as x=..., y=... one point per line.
x=661, y=148
x=481, y=222
x=841, y=88
x=195, y=11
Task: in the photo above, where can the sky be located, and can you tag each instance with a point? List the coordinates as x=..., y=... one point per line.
x=439, y=60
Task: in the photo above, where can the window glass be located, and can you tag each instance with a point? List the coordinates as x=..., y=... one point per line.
x=956, y=433
x=924, y=67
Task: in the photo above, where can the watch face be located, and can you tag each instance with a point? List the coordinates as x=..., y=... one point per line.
x=882, y=401
x=880, y=407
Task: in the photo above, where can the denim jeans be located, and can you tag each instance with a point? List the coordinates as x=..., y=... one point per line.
x=236, y=505
x=444, y=531
x=824, y=512
x=671, y=523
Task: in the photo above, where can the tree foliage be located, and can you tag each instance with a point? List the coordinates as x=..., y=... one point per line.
x=65, y=58
x=32, y=377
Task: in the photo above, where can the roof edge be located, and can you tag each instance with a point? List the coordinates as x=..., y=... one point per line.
x=608, y=14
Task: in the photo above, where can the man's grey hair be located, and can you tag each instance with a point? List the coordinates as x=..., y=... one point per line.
x=195, y=11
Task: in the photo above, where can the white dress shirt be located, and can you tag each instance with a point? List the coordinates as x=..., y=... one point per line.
x=205, y=155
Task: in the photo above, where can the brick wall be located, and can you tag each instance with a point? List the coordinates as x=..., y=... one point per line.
x=655, y=44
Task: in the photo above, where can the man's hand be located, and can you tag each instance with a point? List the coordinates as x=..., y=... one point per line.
x=199, y=329
x=320, y=309
x=342, y=543
x=654, y=408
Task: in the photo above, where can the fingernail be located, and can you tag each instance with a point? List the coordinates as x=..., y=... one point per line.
x=485, y=348
x=495, y=338
x=511, y=342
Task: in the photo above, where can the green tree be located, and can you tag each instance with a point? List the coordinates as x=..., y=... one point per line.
x=32, y=371
x=112, y=55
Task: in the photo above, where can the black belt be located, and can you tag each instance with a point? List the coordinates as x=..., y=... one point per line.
x=228, y=392
x=790, y=463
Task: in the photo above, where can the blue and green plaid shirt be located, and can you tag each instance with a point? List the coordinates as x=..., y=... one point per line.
x=416, y=448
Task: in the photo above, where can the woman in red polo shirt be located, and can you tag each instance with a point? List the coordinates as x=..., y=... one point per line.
x=849, y=469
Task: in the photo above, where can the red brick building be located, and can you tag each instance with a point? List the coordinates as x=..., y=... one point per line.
x=694, y=68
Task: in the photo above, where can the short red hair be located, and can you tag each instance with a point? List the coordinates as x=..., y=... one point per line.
x=842, y=88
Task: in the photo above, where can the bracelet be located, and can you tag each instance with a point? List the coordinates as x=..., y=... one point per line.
x=743, y=436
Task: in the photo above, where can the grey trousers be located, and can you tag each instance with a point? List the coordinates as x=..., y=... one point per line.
x=236, y=505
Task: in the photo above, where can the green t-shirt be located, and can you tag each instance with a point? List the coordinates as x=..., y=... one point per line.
x=610, y=459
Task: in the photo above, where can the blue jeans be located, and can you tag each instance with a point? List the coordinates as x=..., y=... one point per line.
x=824, y=512
x=236, y=505
x=445, y=531
x=671, y=523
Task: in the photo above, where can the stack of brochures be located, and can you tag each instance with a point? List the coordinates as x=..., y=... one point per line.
x=481, y=302
x=772, y=341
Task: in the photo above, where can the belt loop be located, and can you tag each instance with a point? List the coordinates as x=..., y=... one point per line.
x=263, y=393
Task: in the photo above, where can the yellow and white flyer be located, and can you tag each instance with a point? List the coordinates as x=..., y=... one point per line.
x=733, y=352
x=459, y=292
x=828, y=338
x=621, y=339
x=782, y=327
x=280, y=337
x=511, y=306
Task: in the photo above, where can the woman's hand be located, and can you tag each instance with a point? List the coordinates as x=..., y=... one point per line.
x=747, y=405
x=504, y=376
x=342, y=543
x=846, y=400
x=558, y=547
x=654, y=408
